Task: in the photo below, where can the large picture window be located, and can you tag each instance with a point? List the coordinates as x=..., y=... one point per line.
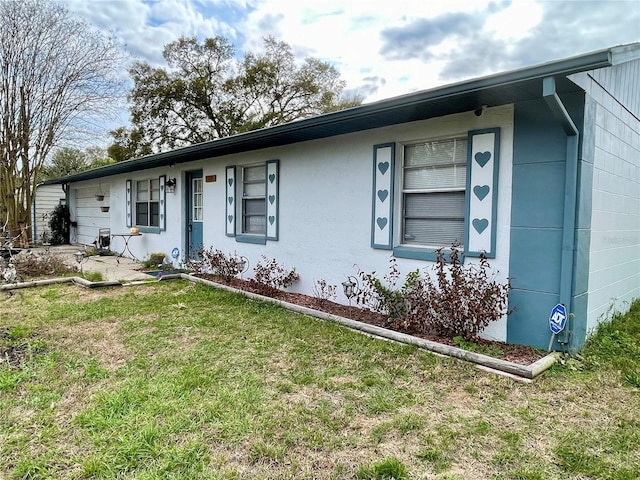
x=147, y=205
x=434, y=178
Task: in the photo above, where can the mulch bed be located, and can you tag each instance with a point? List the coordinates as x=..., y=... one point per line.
x=519, y=354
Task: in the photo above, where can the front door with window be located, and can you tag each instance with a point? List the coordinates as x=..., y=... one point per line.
x=195, y=211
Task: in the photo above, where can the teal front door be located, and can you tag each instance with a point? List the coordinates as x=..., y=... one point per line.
x=195, y=213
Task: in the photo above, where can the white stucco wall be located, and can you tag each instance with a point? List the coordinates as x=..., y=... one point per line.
x=614, y=258
x=325, y=203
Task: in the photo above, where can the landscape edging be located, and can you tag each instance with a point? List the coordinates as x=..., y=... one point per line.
x=524, y=371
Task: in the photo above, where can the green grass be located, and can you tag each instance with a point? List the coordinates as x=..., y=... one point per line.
x=181, y=381
x=93, y=276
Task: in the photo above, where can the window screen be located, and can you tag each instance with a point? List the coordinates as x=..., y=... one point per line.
x=433, y=192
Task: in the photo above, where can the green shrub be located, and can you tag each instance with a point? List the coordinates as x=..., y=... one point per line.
x=457, y=300
x=384, y=297
x=59, y=223
x=156, y=259
x=387, y=469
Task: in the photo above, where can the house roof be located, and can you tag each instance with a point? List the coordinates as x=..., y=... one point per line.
x=499, y=89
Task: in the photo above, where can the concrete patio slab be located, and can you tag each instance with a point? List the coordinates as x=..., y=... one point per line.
x=112, y=267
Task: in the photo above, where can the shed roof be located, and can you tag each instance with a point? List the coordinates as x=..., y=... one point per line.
x=509, y=87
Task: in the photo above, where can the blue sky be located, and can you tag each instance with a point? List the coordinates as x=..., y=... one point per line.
x=382, y=48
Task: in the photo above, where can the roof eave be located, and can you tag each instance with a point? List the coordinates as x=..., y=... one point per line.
x=589, y=61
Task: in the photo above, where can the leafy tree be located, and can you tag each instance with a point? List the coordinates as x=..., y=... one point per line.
x=97, y=157
x=128, y=143
x=65, y=161
x=57, y=76
x=207, y=94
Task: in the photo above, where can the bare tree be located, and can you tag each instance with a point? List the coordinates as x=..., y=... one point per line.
x=57, y=76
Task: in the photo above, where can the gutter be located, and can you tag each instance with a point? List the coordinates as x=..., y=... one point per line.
x=570, y=193
x=329, y=124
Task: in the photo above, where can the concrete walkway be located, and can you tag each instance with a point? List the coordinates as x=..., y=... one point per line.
x=112, y=268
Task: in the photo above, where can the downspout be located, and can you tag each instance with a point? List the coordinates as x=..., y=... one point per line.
x=570, y=194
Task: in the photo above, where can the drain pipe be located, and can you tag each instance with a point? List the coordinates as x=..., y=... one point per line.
x=570, y=194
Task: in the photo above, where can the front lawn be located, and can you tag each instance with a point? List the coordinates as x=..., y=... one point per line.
x=182, y=381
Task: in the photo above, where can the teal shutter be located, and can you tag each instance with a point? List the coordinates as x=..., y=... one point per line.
x=273, y=199
x=230, y=217
x=163, y=203
x=382, y=202
x=129, y=203
x=482, y=192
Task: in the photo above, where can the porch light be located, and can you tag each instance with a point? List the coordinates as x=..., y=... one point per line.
x=171, y=185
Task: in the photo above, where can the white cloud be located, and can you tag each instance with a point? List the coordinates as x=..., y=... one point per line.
x=347, y=34
x=145, y=27
x=384, y=48
x=516, y=21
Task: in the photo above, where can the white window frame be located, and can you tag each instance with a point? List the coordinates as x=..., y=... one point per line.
x=149, y=202
x=197, y=200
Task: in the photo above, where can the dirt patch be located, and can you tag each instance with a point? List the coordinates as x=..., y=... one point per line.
x=13, y=352
x=519, y=354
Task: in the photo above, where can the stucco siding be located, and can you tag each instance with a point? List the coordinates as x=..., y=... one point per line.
x=325, y=203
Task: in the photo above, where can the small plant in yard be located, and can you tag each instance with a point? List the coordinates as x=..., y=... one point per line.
x=491, y=350
x=383, y=297
x=387, y=469
x=270, y=276
x=216, y=262
x=462, y=300
x=324, y=291
x=93, y=276
x=155, y=260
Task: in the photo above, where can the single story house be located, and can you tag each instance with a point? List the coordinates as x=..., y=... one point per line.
x=538, y=167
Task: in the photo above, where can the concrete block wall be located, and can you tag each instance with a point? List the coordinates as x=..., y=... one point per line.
x=614, y=254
